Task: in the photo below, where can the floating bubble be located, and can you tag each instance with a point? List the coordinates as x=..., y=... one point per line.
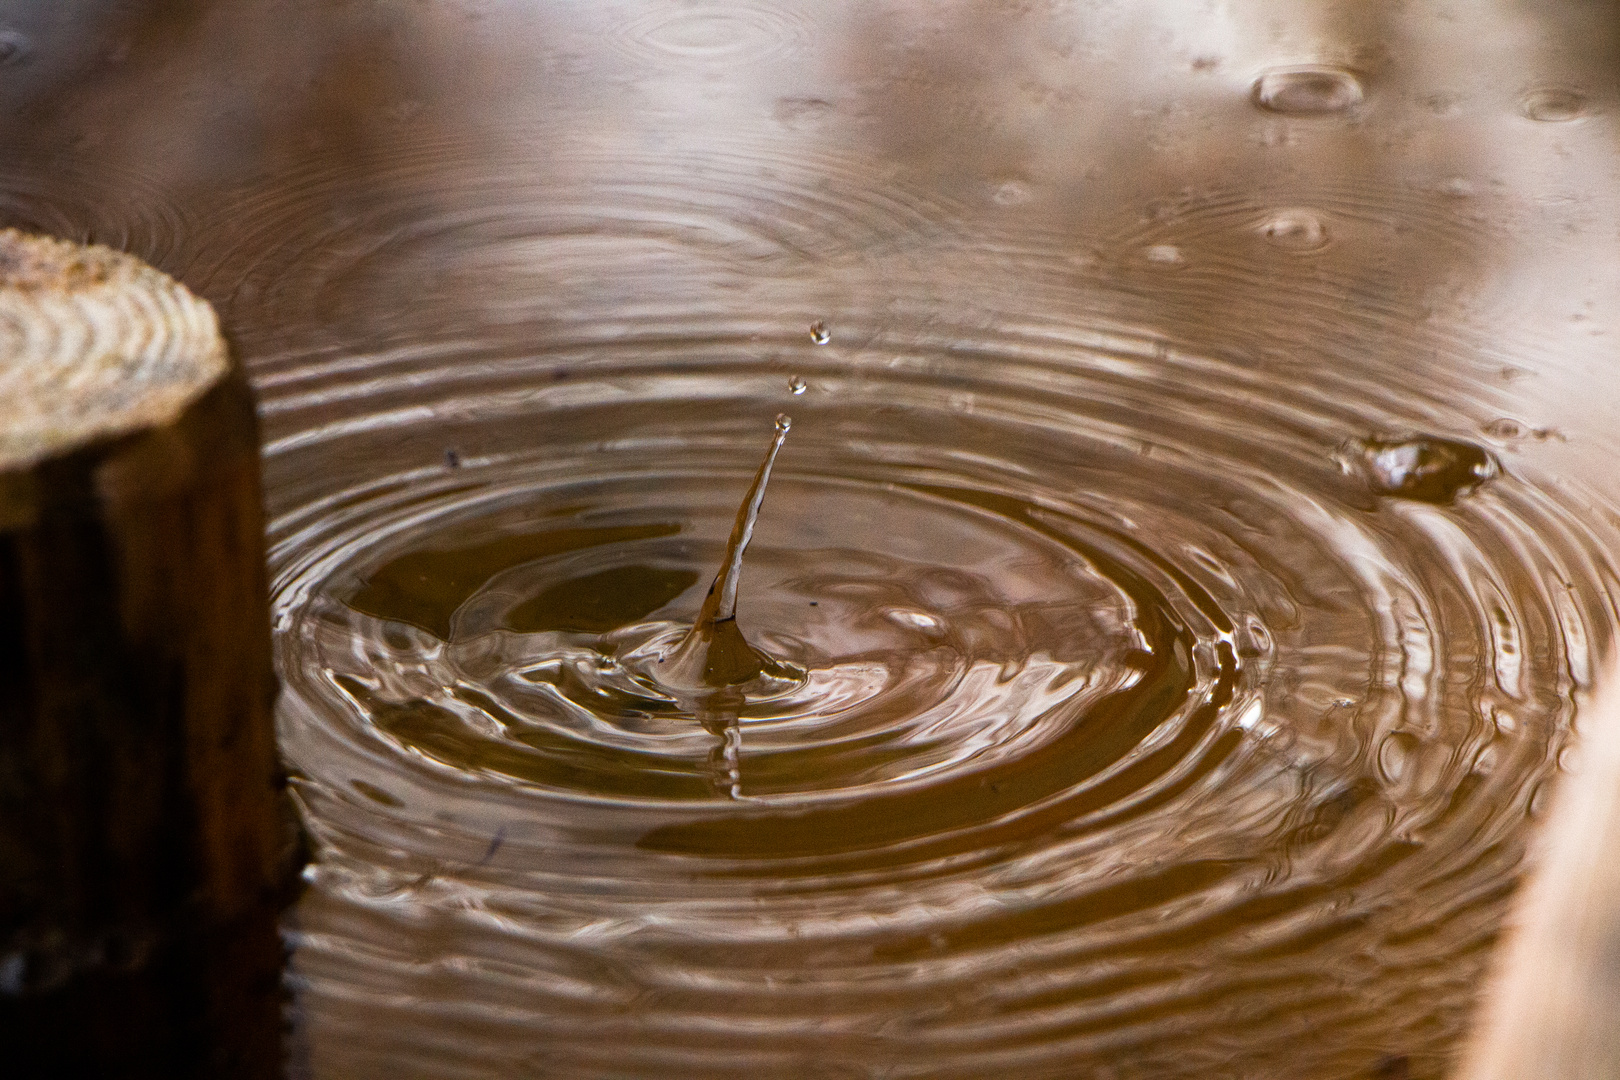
x=1507, y=429
x=1553, y=104
x=1295, y=230
x=1430, y=470
x=1011, y=193
x=1307, y=90
x=819, y=333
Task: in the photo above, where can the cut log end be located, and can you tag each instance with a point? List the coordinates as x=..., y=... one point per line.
x=94, y=344
x=146, y=847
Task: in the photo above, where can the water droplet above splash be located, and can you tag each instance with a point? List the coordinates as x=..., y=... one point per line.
x=819, y=333
x=1308, y=90
x=797, y=385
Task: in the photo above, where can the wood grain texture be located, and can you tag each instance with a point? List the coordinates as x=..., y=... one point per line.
x=146, y=848
x=1552, y=1011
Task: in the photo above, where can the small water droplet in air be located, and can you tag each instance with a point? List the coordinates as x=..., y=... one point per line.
x=797, y=385
x=1165, y=255
x=1553, y=104
x=1308, y=90
x=783, y=421
x=819, y=333
x=1430, y=470
x=14, y=47
x=1295, y=230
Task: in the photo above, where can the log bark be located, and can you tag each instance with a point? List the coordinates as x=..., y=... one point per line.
x=1552, y=1011
x=146, y=848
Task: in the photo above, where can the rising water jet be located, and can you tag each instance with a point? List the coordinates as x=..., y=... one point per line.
x=714, y=655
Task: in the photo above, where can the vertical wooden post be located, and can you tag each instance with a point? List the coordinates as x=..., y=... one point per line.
x=1552, y=1011
x=145, y=846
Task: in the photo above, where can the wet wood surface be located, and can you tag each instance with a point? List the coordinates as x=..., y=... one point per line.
x=145, y=852
x=1553, y=1010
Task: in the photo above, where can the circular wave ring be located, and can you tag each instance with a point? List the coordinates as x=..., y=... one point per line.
x=1270, y=716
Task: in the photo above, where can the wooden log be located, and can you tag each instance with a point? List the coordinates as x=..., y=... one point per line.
x=146, y=848
x=1552, y=1011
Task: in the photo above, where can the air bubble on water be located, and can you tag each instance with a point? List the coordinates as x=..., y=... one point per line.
x=1165, y=255
x=1011, y=193
x=918, y=620
x=1553, y=104
x=1507, y=429
x=819, y=333
x=797, y=385
x=784, y=422
x=1307, y=90
x=1431, y=470
x=1295, y=230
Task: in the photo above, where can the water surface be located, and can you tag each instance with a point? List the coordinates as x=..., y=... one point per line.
x=1194, y=536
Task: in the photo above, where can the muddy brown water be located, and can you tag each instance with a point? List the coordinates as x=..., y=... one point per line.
x=1192, y=550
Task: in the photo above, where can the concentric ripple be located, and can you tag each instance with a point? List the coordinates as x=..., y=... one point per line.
x=1143, y=699
x=746, y=33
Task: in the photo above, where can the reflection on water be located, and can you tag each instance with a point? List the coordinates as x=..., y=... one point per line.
x=1194, y=535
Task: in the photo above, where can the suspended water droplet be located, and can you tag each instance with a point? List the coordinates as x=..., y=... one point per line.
x=1428, y=470
x=1295, y=230
x=819, y=333
x=1165, y=255
x=784, y=422
x=1307, y=90
x=797, y=385
x=1553, y=104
